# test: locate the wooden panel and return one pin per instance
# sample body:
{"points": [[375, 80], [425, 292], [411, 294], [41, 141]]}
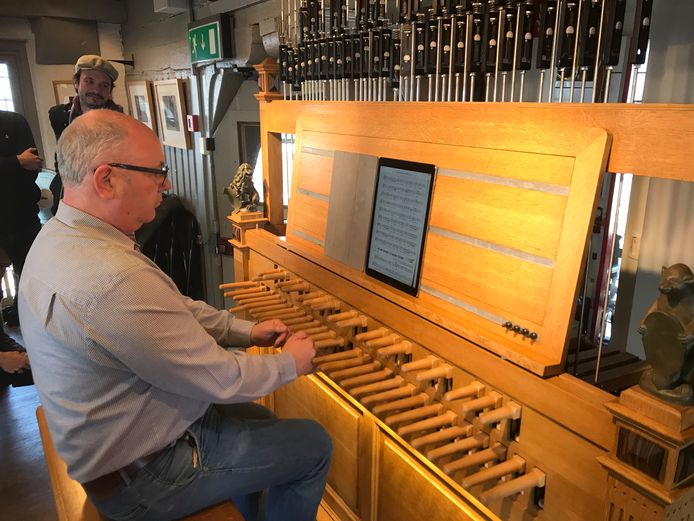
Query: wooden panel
{"points": [[634, 128], [528, 221], [495, 276], [411, 493], [575, 480], [308, 216], [315, 172], [271, 145], [304, 399], [488, 279], [555, 169]]}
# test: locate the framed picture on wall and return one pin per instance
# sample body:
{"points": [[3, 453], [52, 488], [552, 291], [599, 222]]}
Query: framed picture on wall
{"points": [[64, 91], [172, 114], [140, 102]]}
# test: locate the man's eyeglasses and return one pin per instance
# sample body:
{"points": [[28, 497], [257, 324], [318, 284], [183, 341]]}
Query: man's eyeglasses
{"points": [[163, 171]]}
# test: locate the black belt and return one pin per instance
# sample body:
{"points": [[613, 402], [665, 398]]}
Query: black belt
{"points": [[110, 484]]}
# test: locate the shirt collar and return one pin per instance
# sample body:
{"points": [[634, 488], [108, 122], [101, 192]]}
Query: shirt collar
{"points": [[75, 218]]}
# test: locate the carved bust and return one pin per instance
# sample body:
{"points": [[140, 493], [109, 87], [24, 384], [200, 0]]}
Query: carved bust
{"points": [[668, 337], [241, 192]]}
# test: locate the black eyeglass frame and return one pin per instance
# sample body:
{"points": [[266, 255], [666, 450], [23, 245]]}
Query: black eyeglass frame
{"points": [[164, 170]]}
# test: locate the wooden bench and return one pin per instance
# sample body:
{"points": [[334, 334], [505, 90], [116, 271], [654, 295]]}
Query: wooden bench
{"points": [[72, 503]]}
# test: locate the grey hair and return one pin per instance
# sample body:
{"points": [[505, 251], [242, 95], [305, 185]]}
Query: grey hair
{"points": [[82, 146]]}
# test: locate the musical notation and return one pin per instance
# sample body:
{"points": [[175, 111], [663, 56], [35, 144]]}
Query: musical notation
{"points": [[402, 198]]}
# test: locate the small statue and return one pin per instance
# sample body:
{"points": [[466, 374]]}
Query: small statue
{"points": [[241, 192], [668, 337]]}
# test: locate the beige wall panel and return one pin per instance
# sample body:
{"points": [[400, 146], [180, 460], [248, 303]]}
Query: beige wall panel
{"points": [[528, 221], [304, 399], [467, 272], [350, 208]]}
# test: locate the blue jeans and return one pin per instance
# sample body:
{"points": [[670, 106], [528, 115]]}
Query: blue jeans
{"points": [[232, 452]]}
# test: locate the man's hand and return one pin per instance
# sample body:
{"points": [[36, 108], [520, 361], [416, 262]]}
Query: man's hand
{"points": [[28, 160], [269, 333], [302, 349], [14, 361]]}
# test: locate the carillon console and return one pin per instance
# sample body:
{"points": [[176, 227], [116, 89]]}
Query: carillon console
{"points": [[447, 398], [468, 432]]}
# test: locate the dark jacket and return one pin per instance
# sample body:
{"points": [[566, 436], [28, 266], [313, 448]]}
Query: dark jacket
{"points": [[18, 190], [60, 116]]}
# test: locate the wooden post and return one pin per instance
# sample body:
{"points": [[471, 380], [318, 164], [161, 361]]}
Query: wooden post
{"points": [[271, 144], [240, 223], [268, 80]]}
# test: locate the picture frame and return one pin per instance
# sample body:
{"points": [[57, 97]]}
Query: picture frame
{"points": [[64, 91], [171, 110], [140, 102]]}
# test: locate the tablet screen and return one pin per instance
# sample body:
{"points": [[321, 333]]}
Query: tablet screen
{"points": [[399, 220]]}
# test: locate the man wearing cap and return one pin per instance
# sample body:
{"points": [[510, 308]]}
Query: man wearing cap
{"points": [[94, 81]]}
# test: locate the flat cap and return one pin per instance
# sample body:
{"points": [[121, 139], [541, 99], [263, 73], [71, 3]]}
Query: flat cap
{"points": [[92, 61]]}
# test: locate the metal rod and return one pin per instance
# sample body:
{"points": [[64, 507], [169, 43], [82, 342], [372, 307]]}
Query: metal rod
{"points": [[575, 56], [522, 85], [503, 86], [608, 77], [554, 50], [583, 307], [500, 24], [515, 53], [412, 49], [584, 71], [598, 52], [439, 50], [451, 61], [603, 318], [634, 78], [468, 29], [542, 85]]}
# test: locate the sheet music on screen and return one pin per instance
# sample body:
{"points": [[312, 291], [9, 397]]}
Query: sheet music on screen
{"points": [[401, 209]]}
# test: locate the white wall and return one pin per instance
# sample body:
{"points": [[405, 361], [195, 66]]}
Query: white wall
{"points": [[243, 108], [670, 76]]}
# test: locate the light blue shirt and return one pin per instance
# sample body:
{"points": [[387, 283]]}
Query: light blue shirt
{"points": [[122, 361]]}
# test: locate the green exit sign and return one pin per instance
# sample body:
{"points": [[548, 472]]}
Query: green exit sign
{"points": [[204, 43], [210, 39]]}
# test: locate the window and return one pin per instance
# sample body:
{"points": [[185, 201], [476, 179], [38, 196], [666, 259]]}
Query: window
{"points": [[287, 162], [6, 101]]}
